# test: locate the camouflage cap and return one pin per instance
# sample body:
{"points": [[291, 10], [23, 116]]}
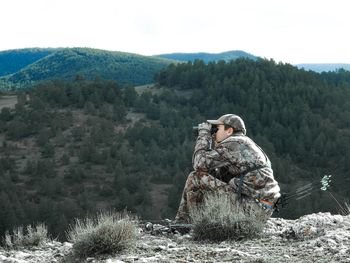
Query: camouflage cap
{"points": [[231, 120]]}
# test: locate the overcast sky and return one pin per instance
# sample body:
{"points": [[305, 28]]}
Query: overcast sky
{"points": [[292, 31]]}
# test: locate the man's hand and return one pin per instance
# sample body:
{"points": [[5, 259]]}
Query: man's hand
{"points": [[204, 126]]}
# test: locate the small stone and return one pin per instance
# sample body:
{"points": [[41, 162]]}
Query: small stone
{"points": [[319, 249], [172, 245], [2, 258], [22, 255], [331, 242], [15, 260], [178, 249], [114, 261], [343, 251], [226, 249], [131, 258], [159, 248], [67, 244]]}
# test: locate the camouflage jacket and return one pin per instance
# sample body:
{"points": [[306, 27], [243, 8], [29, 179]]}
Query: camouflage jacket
{"points": [[237, 155]]}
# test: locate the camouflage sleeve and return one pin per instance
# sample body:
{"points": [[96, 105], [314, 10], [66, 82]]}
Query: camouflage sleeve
{"points": [[204, 157]]}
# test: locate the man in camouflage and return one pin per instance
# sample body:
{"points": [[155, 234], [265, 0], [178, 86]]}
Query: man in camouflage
{"points": [[233, 164]]}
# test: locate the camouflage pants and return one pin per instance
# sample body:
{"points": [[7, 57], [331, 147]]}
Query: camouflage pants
{"points": [[199, 184]]}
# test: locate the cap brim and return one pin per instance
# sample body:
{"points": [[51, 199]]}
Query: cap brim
{"points": [[216, 122]]}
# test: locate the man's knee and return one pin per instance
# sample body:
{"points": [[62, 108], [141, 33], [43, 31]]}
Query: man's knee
{"points": [[192, 181]]}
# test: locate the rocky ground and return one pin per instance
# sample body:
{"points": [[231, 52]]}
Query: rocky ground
{"points": [[318, 237]]}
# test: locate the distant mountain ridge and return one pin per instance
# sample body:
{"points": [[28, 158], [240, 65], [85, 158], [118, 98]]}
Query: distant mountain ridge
{"points": [[208, 57], [324, 67]]}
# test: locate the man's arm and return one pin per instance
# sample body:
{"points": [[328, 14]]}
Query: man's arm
{"points": [[204, 157]]}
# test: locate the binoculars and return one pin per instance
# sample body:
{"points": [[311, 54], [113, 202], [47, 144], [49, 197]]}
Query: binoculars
{"points": [[213, 130]]}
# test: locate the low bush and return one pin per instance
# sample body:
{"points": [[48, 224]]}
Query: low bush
{"points": [[347, 208], [342, 209], [108, 233], [28, 237], [218, 220]]}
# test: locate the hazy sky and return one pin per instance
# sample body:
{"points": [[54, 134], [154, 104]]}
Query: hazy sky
{"points": [[293, 31]]}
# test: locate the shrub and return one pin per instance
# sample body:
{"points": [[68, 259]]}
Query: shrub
{"points": [[108, 233], [347, 208], [342, 209], [217, 220], [31, 236]]}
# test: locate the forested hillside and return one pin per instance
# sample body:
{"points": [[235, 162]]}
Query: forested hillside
{"points": [[68, 149], [12, 61], [83, 63]]}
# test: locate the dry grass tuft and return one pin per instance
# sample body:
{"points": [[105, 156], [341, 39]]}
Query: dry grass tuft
{"points": [[347, 208], [217, 220], [108, 233], [28, 237]]}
